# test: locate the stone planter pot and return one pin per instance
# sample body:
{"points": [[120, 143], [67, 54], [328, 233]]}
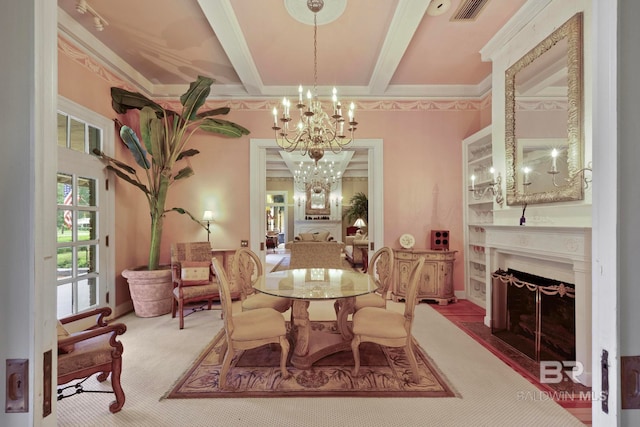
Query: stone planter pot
{"points": [[151, 291]]}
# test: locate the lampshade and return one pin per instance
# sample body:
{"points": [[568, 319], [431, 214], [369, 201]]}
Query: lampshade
{"points": [[207, 216], [359, 223]]}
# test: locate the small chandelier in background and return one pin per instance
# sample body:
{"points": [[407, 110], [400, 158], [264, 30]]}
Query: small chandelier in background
{"points": [[316, 130], [319, 175]]}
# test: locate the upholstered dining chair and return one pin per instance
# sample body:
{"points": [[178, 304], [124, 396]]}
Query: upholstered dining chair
{"points": [[245, 270], [95, 350], [248, 329], [389, 328], [381, 271], [192, 275]]}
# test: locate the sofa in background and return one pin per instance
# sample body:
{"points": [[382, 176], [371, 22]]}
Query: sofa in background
{"points": [[315, 254], [353, 247]]}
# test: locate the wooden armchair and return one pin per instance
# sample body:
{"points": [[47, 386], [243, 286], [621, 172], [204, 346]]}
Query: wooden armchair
{"points": [[381, 271], [249, 329], [192, 274], [389, 328], [246, 268], [94, 350]]}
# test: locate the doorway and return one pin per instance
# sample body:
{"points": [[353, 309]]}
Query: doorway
{"points": [[258, 178]]}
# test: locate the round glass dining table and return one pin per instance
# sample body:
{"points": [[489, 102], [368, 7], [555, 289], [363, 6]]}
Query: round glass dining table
{"points": [[304, 285]]}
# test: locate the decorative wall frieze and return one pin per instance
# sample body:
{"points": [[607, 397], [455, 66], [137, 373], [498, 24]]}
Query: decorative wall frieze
{"points": [[83, 58], [542, 105]]}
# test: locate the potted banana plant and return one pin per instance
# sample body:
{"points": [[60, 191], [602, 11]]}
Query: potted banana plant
{"points": [[158, 151]]}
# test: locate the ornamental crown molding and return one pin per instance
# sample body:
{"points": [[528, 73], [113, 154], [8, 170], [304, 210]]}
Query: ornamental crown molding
{"points": [[86, 60]]}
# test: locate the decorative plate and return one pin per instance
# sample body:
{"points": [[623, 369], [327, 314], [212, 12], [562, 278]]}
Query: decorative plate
{"points": [[407, 241]]}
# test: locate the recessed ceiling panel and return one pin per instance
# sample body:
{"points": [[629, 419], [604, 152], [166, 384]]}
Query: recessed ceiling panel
{"points": [[443, 52], [282, 47]]}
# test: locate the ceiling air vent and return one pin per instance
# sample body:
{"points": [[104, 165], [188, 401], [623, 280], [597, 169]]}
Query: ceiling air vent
{"points": [[469, 10]]}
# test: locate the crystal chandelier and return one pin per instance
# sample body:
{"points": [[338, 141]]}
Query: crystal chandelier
{"points": [[316, 130], [320, 175]]}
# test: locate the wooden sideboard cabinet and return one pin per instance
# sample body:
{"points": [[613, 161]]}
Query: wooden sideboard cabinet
{"points": [[436, 280]]}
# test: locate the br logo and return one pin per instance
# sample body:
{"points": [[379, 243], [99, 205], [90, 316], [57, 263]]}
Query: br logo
{"points": [[553, 371]]}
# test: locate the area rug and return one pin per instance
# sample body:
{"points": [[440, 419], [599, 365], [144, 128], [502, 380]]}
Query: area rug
{"points": [[384, 372]]}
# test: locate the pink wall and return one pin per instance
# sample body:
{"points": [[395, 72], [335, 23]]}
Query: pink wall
{"points": [[422, 176]]}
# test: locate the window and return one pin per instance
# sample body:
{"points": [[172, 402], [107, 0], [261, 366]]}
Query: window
{"points": [[83, 204]]}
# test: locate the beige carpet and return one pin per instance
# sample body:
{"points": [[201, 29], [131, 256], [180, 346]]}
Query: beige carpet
{"points": [[156, 352], [385, 372]]}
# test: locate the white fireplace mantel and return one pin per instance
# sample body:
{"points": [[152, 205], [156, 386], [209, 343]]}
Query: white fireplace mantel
{"points": [[559, 253]]}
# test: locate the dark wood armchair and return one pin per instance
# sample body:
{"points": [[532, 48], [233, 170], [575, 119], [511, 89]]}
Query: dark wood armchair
{"points": [[193, 279], [95, 350]]}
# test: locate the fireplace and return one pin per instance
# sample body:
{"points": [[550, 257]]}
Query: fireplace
{"points": [[535, 315], [561, 254]]}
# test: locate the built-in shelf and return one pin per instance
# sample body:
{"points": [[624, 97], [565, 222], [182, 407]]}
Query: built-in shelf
{"points": [[477, 160]]}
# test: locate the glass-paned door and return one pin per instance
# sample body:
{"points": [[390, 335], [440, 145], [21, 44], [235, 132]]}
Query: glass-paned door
{"points": [[277, 216], [80, 218]]}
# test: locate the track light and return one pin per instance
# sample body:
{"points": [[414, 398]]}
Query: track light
{"points": [[83, 7]]}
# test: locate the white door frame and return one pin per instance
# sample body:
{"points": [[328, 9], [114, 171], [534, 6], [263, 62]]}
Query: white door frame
{"points": [[258, 190]]}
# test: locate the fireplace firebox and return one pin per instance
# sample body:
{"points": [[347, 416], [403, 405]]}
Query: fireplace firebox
{"points": [[534, 314]]}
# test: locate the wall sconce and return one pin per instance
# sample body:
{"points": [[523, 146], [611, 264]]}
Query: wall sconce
{"points": [[554, 171], [299, 200], [207, 217], [337, 200], [83, 7], [494, 187]]}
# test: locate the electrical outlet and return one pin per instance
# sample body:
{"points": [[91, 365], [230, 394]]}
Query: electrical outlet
{"points": [[244, 243]]}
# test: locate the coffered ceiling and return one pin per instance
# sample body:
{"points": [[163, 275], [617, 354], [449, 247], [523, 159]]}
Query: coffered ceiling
{"points": [[398, 49]]}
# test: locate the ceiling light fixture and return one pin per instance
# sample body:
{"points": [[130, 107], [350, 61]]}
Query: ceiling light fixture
{"points": [[316, 131], [315, 176], [83, 7]]}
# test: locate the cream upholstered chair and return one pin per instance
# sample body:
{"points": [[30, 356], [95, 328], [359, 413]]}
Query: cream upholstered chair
{"points": [[249, 329], [389, 328], [193, 279], [381, 271], [92, 351], [245, 269]]}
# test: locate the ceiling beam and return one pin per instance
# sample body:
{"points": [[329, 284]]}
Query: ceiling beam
{"points": [[223, 20], [404, 24]]}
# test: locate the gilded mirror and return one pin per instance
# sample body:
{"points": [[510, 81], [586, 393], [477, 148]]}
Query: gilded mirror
{"points": [[317, 202], [543, 128]]}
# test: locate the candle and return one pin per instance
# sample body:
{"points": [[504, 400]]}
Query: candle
{"points": [[352, 112], [275, 116], [492, 171], [554, 155], [300, 94], [526, 171], [334, 98], [473, 182]]}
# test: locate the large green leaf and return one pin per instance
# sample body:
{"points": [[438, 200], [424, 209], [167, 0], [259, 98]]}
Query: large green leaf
{"points": [[216, 112], [128, 179], [123, 100], [116, 162], [184, 173], [223, 127], [195, 97], [188, 153], [146, 115], [131, 139]]}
